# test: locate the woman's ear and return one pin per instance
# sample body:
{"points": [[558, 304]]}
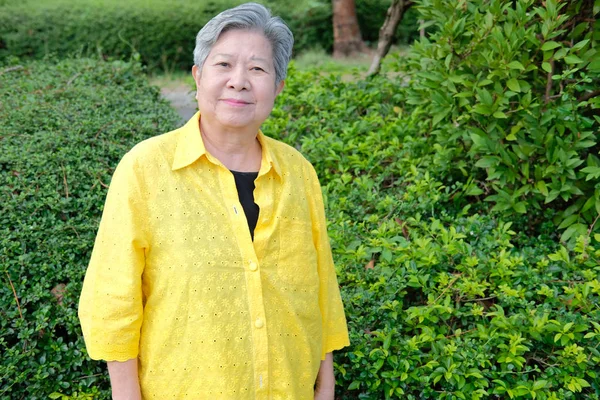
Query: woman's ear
{"points": [[279, 88], [195, 73], [196, 76]]}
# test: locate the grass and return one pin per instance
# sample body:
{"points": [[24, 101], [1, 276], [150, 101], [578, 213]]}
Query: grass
{"points": [[318, 58], [172, 79]]}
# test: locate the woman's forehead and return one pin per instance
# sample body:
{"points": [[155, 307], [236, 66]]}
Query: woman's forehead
{"points": [[233, 40]]}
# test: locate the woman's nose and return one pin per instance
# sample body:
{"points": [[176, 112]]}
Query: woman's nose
{"points": [[238, 79]]}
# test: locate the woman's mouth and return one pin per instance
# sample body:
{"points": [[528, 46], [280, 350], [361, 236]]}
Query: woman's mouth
{"points": [[235, 102]]}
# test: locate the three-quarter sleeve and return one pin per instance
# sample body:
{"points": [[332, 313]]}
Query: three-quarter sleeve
{"points": [[335, 330], [111, 303]]}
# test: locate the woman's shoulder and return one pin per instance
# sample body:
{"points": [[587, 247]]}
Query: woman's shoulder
{"points": [[288, 156], [155, 147]]}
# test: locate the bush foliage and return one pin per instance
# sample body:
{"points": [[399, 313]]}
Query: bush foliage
{"points": [[162, 33], [448, 296], [64, 128], [442, 302], [510, 88]]}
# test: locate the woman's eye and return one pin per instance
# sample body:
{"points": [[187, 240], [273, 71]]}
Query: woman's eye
{"points": [[223, 64], [258, 69]]}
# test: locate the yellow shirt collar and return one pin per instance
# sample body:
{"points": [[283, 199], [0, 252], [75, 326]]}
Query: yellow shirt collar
{"points": [[190, 147]]}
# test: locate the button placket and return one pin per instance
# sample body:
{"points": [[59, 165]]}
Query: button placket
{"points": [[257, 321]]}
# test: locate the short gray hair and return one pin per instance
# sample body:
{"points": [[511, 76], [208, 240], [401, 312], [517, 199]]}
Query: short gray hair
{"points": [[250, 16]]}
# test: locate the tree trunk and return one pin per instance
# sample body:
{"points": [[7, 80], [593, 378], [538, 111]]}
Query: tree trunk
{"points": [[347, 40], [386, 33]]}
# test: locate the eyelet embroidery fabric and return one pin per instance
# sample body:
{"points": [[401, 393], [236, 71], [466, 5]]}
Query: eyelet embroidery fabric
{"points": [[176, 281]]}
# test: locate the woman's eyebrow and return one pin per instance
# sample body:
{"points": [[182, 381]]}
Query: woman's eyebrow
{"points": [[254, 58]]}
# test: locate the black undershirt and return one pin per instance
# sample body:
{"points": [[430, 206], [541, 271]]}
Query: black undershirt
{"points": [[244, 183]]}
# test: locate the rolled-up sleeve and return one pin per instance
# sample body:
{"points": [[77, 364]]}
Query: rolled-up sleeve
{"points": [[111, 303], [335, 330]]}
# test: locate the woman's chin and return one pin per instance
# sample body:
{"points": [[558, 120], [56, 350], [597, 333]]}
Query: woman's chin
{"points": [[239, 120]]}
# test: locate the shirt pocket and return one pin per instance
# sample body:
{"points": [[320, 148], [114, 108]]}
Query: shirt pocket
{"points": [[297, 264]]}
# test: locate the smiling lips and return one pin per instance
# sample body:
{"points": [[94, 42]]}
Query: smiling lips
{"points": [[235, 102]]}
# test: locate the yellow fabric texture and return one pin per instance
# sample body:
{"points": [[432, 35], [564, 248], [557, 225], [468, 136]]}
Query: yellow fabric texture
{"points": [[176, 280]]}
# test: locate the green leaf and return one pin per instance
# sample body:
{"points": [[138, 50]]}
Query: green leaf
{"points": [[552, 196], [516, 65], [547, 67], [54, 395], [570, 220], [541, 186], [557, 337], [499, 114], [537, 385], [386, 254], [520, 207], [440, 116], [482, 109], [550, 45], [580, 44], [487, 161], [474, 191], [593, 172], [354, 385], [513, 85], [486, 97], [572, 59], [448, 60], [463, 94], [571, 231], [594, 65]]}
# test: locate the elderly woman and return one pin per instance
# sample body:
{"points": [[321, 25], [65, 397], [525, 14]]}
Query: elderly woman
{"points": [[212, 275]]}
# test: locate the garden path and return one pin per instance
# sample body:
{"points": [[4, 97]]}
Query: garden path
{"points": [[181, 98]]}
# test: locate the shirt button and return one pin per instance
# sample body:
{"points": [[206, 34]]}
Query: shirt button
{"points": [[253, 266], [259, 323]]}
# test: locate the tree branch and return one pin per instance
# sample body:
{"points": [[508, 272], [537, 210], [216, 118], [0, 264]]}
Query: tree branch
{"points": [[589, 95]]}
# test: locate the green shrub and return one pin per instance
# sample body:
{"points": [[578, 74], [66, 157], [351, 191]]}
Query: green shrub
{"points": [[442, 302], [64, 128], [513, 86], [163, 33]]}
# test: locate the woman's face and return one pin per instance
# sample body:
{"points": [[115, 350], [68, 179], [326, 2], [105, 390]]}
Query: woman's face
{"points": [[236, 87]]}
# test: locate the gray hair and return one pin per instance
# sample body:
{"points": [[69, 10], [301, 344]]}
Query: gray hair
{"points": [[251, 16]]}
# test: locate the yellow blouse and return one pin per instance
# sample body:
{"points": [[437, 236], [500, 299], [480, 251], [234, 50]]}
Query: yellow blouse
{"points": [[176, 281]]}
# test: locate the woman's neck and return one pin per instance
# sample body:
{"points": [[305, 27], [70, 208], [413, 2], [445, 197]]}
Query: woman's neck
{"points": [[238, 150]]}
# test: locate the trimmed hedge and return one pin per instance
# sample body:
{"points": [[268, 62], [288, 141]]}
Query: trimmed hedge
{"points": [[64, 128], [163, 33]]}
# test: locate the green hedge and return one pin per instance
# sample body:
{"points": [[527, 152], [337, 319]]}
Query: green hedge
{"points": [[443, 301], [64, 128], [163, 33]]}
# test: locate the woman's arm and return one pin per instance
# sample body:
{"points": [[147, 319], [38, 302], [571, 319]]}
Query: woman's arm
{"points": [[124, 380], [325, 385]]}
